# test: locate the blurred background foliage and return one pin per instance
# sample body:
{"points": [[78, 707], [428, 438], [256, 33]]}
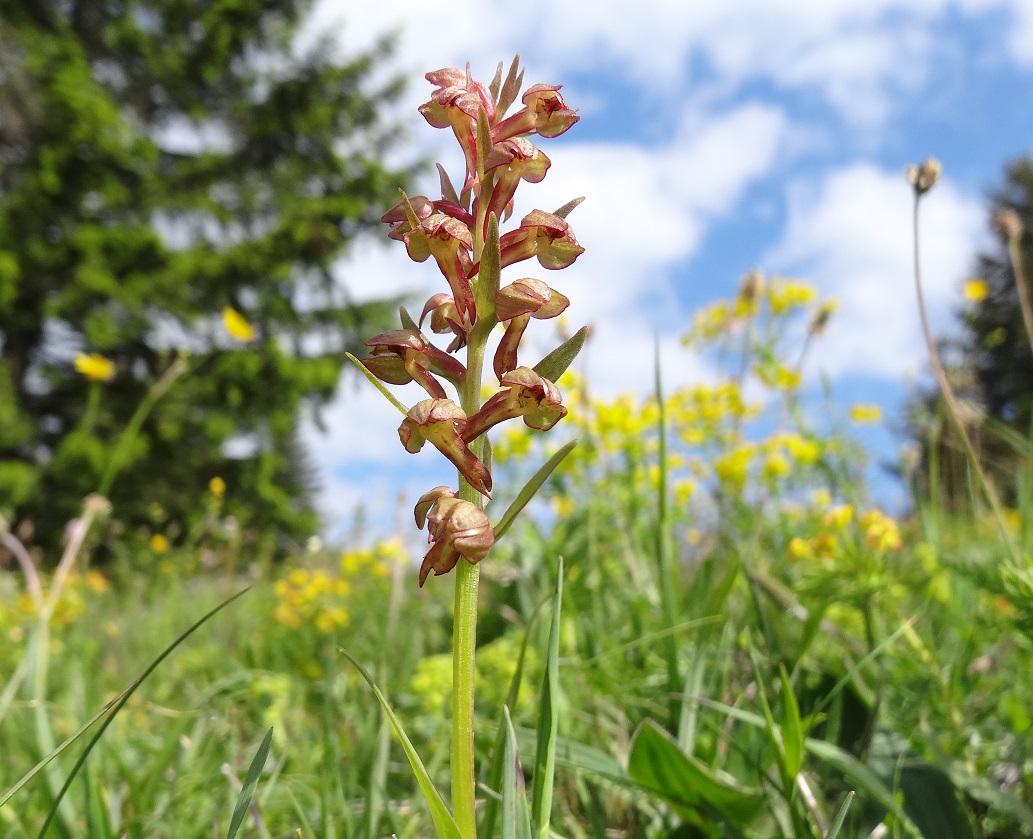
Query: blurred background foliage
{"points": [[161, 160]]}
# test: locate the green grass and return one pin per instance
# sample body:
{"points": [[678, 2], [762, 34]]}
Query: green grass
{"points": [[750, 658]]}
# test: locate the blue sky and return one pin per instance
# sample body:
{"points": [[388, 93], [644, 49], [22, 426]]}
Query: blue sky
{"points": [[715, 138]]}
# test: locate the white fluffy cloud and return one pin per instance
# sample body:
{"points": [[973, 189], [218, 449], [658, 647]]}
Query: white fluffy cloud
{"points": [[850, 233], [855, 56], [651, 203]]}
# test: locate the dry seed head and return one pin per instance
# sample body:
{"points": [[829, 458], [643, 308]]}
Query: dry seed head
{"points": [[1009, 224], [924, 176]]}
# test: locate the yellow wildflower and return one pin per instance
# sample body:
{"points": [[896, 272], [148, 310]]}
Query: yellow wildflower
{"points": [[880, 531], [976, 290], [217, 487], [803, 451], [865, 414], [784, 295], [799, 548], [731, 467], [839, 516], [825, 545], [159, 544], [95, 367], [236, 324], [775, 467], [97, 582]]}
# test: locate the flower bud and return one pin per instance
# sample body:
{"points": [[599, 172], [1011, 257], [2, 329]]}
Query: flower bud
{"points": [[456, 528], [1009, 224]]}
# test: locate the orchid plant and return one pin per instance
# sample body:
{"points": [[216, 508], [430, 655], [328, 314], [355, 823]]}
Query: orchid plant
{"points": [[461, 231]]}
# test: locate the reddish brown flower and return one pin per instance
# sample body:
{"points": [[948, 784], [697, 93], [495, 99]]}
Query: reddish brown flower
{"points": [[456, 103], [456, 528], [517, 303], [443, 423], [543, 235], [449, 241], [444, 317], [524, 394], [517, 159], [544, 113], [401, 356]]}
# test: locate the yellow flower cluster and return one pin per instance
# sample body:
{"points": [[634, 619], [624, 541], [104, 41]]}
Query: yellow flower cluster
{"points": [[94, 367], [865, 414], [314, 597], [319, 597], [976, 290], [784, 295], [69, 606], [878, 532]]}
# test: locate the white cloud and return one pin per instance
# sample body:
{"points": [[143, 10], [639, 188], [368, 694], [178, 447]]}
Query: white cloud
{"points": [[851, 235], [856, 56]]}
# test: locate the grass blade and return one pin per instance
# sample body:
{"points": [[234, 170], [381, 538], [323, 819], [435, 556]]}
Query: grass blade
{"points": [[837, 822], [516, 819], [497, 766], [247, 792], [548, 722], [116, 706], [444, 823]]}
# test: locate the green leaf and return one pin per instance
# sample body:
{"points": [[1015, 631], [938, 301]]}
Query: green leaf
{"points": [[837, 822], [247, 791], [531, 487], [516, 819], [510, 88], [792, 730], [566, 209], [444, 823], [548, 722], [658, 764], [390, 397], [406, 319], [865, 778], [448, 192], [932, 801], [555, 363]]}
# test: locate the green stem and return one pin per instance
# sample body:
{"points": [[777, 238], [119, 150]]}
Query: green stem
{"points": [[157, 390], [464, 651], [951, 402], [464, 628]]}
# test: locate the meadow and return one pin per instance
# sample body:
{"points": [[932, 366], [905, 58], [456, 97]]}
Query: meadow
{"points": [[725, 580], [699, 623]]}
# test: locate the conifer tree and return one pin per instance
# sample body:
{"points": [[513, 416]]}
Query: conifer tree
{"points": [[176, 176]]}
